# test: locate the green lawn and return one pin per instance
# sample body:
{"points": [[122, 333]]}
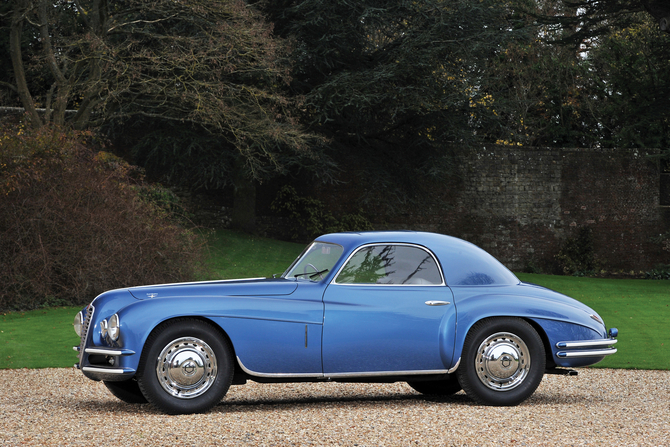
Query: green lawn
{"points": [[38, 339], [640, 309], [237, 255]]}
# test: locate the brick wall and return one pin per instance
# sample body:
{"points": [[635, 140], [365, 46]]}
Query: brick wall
{"points": [[521, 204]]}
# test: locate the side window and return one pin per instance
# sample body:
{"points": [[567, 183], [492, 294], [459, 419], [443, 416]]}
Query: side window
{"points": [[390, 264]]}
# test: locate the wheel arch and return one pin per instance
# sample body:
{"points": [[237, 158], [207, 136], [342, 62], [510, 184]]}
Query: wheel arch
{"points": [[168, 321], [474, 306]]}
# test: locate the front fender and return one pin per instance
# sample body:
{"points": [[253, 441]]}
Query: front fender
{"points": [[138, 318]]}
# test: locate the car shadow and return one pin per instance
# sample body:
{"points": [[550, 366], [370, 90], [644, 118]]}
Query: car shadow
{"points": [[316, 402], [241, 404]]}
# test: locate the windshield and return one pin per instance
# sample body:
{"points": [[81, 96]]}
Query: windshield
{"points": [[315, 262]]}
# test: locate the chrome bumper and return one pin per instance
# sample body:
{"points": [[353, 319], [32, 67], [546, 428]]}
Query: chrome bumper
{"points": [[106, 369], [588, 348]]}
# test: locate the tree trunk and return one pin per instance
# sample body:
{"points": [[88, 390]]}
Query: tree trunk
{"points": [[17, 63], [244, 199], [659, 10]]}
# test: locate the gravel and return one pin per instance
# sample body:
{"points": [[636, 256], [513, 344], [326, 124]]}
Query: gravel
{"points": [[598, 407]]}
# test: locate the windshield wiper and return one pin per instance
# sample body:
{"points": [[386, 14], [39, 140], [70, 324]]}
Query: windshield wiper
{"points": [[311, 274]]}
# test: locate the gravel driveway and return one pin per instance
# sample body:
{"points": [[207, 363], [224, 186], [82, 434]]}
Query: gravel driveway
{"points": [[599, 407]]}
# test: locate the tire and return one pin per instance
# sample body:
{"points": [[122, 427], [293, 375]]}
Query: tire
{"points": [[503, 361], [186, 367], [445, 387], [127, 391]]}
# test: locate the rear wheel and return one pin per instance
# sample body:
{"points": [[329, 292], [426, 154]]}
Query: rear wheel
{"points": [[503, 361], [445, 387], [186, 367]]}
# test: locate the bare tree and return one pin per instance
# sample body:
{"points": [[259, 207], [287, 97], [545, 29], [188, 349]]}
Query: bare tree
{"points": [[210, 66]]}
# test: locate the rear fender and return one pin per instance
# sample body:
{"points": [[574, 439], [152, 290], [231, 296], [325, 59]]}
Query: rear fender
{"points": [[554, 318]]}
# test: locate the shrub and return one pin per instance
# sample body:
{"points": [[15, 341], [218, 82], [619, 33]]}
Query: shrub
{"points": [[661, 271], [577, 256], [74, 223], [311, 218]]}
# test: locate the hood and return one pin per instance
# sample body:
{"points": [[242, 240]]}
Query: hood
{"points": [[235, 287]]}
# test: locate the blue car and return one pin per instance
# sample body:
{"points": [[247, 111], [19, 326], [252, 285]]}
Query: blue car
{"points": [[434, 311]]}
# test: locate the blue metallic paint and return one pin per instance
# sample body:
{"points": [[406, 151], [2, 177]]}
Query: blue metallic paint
{"points": [[282, 326]]}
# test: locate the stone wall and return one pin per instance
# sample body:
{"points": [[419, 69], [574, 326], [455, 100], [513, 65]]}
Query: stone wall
{"points": [[521, 204]]}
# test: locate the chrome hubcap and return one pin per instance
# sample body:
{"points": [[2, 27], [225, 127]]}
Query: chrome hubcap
{"points": [[186, 367], [502, 361]]}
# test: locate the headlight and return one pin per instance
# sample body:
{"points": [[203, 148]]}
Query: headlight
{"points": [[77, 323], [114, 327], [111, 328]]}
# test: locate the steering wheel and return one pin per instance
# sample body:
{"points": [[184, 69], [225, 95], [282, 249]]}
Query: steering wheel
{"points": [[316, 270]]}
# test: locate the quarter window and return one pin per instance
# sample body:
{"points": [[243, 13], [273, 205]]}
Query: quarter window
{"points": [[389, 265]]}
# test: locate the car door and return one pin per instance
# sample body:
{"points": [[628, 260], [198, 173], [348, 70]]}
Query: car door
{"points": [[388, 310]]}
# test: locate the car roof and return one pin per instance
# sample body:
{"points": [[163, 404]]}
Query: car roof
{"points": [[462, 262]]}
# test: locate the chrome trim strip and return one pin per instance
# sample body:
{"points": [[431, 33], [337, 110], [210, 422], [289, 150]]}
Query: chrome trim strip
{"points": [[276, 375], [404, 244], [387, 285], [106, 351], [190, 283], [387, 373], [349, 374], [94, 369], [452, 370], [590, 353], [585, 343]]}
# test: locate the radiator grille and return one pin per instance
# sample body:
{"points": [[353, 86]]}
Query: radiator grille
{"points": [[84, 329]]}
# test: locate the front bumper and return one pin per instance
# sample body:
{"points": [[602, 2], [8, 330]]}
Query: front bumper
{"points": [[100, 364]]}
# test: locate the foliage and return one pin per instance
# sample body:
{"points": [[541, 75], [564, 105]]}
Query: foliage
{"points": [[629, 84], [587, 20], [541, 96], [394, 84], [73, 223], [191, 87], [661, 271], [310, 217], [576, 256], [593, 76]]}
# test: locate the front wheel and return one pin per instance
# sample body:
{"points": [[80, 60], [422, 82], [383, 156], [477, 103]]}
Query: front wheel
{"points": [[186, 367], [128, 391], [503, 361]]}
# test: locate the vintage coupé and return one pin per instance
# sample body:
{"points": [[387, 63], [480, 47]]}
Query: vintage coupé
{"points": [[429, 309]]}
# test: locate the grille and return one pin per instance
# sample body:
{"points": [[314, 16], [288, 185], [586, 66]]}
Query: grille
{"points": [[84, 329]]}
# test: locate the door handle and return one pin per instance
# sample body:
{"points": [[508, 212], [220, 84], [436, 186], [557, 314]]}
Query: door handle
{"points": [[437, 303]]}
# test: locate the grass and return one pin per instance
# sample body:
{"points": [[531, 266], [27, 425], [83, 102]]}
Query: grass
{"points": [[38, 339], [640, 309], [238, 255]]}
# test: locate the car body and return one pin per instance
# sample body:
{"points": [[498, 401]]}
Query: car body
{"points": [[385, 306]]}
